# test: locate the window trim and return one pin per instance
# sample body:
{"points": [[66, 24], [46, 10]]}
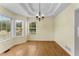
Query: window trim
{"points": [[22, 29]]}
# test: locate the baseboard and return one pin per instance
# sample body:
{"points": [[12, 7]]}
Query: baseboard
{"points": [[39, 40], [64, 48]]}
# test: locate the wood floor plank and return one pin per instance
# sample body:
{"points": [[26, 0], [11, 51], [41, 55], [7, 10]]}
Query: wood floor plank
{"points": [[37, 48]]}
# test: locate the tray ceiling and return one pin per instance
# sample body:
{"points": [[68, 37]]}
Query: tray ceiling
{"points": [[31, 9]]}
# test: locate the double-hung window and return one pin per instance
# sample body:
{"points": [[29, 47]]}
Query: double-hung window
{"points": [[4, 26]]}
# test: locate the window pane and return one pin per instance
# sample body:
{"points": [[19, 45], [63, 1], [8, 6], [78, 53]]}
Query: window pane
{"points": [[32, 28], [4, 26], [8, 26], [18, 28]]}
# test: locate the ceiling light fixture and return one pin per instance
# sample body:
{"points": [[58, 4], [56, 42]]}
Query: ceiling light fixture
{"points": [[39, 16]]}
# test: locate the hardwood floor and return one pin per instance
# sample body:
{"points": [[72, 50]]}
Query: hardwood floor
{"points": [[36, 48]]}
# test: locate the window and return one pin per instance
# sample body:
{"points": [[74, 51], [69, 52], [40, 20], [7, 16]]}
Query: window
{"points": [[18, 28], [32, 28], [4, 26]]}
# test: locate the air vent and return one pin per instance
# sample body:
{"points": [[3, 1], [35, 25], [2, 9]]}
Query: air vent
{"points": [[7, 51]]}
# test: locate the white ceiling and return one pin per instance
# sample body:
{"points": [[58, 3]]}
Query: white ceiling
{"points": [[31, 9]]}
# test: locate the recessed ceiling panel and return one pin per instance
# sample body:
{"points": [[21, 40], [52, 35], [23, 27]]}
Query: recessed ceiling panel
{"points": [[31, 9]]}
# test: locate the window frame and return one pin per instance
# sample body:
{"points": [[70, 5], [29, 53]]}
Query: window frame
{"points": [[9, 19], [31, 28], [22, 29]]}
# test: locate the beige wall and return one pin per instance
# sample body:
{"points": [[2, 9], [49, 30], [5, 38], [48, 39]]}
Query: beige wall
{"points": [[44, 30], [64, 28]]}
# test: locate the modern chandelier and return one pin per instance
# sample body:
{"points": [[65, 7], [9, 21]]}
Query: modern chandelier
{"points": [[39, 16]]}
